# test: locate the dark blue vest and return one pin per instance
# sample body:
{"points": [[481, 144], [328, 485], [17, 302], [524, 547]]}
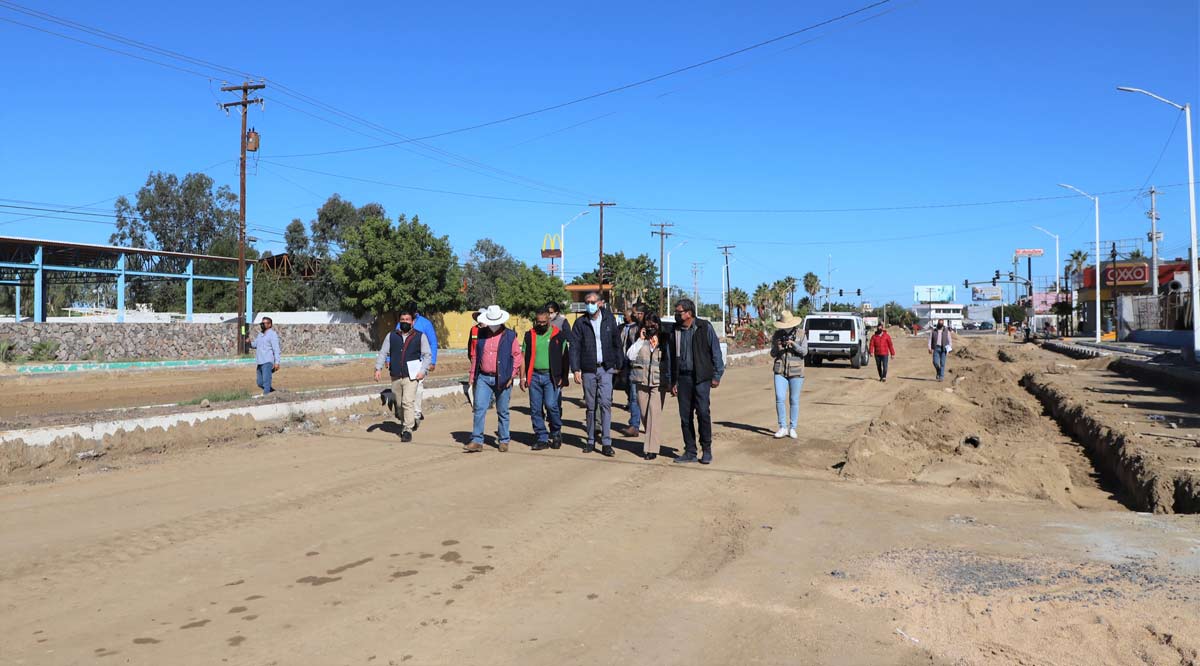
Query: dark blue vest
{"points": [[401, 355], [504, 359]]}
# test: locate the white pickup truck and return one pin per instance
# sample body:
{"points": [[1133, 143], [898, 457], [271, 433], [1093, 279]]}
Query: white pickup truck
{"points": [[836, 335]]}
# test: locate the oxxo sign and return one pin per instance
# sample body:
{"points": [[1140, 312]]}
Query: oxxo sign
{"points": [[1135, 274]]}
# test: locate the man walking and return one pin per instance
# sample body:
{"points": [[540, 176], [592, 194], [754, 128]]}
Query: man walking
{"points": [[697, 368], [546, 366], [422, 324], [882, 349], [630, 333], [267, 354], [498, 362], [557, 320], [407, 353], [940, 347], [595, 357]]}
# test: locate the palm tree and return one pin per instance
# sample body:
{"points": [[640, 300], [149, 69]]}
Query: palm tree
{"points": [[762, 299], [1077, 261], [738, 300], [790, 283], [812, 285]]}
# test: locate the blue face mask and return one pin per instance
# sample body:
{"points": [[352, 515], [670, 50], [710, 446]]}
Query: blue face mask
{"points": [[593, 308]]}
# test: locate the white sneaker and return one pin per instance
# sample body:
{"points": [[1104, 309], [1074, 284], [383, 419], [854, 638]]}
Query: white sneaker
{"points": [[792, 433], [781, 433]]}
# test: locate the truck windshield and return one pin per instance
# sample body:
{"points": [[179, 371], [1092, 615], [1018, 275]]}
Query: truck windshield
{"points": [[829, 325]]}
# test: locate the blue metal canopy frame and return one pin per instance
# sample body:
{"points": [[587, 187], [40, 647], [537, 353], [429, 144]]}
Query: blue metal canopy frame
{"points": [[42, 255]]}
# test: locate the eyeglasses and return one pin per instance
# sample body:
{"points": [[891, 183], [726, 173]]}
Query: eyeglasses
{"points": [[680, 311]]}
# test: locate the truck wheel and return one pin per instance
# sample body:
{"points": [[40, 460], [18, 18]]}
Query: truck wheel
{"points": [[856, 361]]}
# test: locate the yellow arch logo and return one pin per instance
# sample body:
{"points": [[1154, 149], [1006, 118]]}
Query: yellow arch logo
{"points": [[551, 246]]}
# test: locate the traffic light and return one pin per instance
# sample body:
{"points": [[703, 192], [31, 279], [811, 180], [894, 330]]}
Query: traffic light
{"points": [[997, 276], [858, 292], [994, 281], [966, 283], [1010, 276], [841, 293]]}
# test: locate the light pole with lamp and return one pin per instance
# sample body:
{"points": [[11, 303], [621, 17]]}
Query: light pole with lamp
{"points": [[1056, 266], [562, 243], [1096, 204], [1195, 283]]}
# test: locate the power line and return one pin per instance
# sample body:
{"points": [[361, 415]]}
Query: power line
{"points": [[610, 91]]}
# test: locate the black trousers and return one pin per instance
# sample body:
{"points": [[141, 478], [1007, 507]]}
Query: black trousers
{"points": [[693, 408], [881, 363]]}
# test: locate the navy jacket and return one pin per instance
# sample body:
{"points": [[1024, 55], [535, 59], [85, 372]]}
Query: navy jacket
{"points": [[583, 344]]}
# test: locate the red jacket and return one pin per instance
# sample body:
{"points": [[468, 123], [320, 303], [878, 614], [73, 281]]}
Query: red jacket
{"points": [[881, 345]]}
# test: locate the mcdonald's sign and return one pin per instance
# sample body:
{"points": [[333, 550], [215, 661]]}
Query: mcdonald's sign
{"points": [[551, 246]]}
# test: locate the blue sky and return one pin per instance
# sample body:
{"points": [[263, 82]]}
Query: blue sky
{"points": [[932, 102]]}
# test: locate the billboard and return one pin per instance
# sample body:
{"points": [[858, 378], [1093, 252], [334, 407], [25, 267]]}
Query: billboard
{"points": [[933, 293], [987, 293], [1028, 252]]}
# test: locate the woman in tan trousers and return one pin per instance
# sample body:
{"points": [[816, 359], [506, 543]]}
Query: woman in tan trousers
{"points": [[650, 367]]}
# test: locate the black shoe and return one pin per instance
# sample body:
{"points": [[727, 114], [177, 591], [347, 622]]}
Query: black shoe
{"points": [[417, 423], [540, 446], [687, 457], [556, 441], [649, 456], [608, 452], [706, 457], [589, 448], [406, 436]]}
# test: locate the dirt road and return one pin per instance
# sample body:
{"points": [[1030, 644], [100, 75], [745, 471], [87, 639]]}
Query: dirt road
{"points": [[347, 547], [29, 397]]}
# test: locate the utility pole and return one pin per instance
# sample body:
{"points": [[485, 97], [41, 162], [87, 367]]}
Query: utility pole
{"points": [[828, 281], [696, 271], [602, 205], [728, 287], [662, 234], [243, 105], [1153, 215]]}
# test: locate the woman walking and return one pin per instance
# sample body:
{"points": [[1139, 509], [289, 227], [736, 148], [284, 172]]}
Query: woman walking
{"points": [[789, 346], [882, 349], [650, 370]]}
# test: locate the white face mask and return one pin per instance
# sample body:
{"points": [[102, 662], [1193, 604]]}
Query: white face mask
{"points": [[493, 327]]}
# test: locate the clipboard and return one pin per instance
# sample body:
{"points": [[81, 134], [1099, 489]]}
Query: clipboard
{"points": [[414, 368]]}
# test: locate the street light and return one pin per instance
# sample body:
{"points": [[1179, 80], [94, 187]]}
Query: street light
{"points": [[1056, 266], [1195, 283], [1096, 203], [681, 244], [562, 244]]}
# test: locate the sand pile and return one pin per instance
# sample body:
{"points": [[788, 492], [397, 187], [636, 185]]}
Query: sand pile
{"points": [[979, 429]]}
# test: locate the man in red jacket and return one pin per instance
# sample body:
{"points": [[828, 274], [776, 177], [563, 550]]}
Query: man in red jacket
{"points": [[882, 349]]}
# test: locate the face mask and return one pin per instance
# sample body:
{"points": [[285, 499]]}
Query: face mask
{"points": [[651, 331], [405, 327], [263, 327], [541, 328], [939, 327], [592, 308], [493, 327]]}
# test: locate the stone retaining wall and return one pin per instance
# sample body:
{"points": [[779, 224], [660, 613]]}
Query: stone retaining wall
{"points": [[146, 342]]}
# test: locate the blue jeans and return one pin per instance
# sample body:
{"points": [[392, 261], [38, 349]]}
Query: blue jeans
{"points": [[635, 413], [784, 387], [544, 396], [264, 377], [939, 361], [485, 390]]}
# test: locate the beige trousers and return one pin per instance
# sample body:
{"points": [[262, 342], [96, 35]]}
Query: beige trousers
{"points": [[650, 401], [406, 394]]}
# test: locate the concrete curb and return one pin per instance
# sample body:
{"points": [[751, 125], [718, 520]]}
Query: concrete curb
{"points": [[95, 432]]}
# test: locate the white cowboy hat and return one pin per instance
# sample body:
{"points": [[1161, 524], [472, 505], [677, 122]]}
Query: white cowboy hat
{"points": [[492, 315], [788, 320]]}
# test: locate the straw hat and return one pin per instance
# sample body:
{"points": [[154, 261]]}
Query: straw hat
{"points": [[788, 320], [493, 315]]}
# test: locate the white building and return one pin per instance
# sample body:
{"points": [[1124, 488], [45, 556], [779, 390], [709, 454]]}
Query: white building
{"points": [[931, 312]]}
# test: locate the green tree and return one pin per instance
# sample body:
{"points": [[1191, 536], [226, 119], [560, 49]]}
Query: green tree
{"points": [[633, 279], [296, 239], [488, 266], [812, 285], [896, 314], [789, 286], [383, 266], [528, 290], [1015, 313], [739, 300]]}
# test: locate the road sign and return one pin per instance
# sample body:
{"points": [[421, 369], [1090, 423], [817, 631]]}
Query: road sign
{"points": [[1028, 252]]}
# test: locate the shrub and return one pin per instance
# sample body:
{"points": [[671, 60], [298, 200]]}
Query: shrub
{"points": [[43, 351], [6, 351]]}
